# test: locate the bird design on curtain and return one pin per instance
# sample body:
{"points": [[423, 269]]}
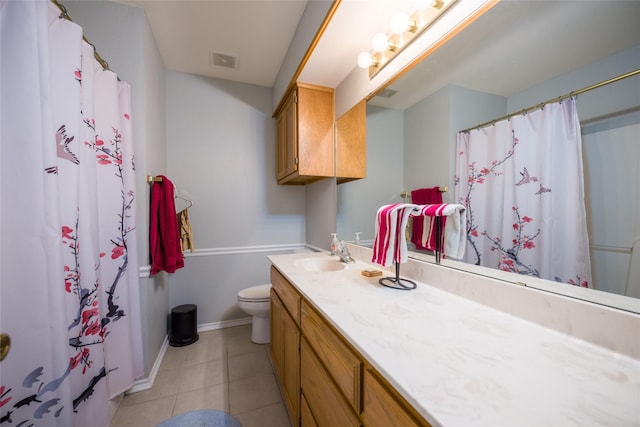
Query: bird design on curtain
{"points": [[522, 185], [70, 297]]}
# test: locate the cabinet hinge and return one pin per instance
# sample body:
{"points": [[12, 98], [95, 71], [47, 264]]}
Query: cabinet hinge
{"points": [[295, 99], [296, 160]]}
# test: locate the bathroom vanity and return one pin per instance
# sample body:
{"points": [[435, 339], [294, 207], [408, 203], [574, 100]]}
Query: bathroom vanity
{"points": [[348, 351]]}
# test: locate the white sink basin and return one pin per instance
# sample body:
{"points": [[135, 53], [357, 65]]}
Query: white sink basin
{"points": [[320, 265]]}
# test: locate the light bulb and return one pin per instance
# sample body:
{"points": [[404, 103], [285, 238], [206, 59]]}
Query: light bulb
{"points": [[399, 23], [365, 60], [380, 43], [421, 4]]}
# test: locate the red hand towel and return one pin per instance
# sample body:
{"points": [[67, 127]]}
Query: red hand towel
{"points": [[164, 234], [424, 196]]}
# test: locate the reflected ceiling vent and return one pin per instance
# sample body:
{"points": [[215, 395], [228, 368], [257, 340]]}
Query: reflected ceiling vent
{"points": [[387, 93], [225, 60]]}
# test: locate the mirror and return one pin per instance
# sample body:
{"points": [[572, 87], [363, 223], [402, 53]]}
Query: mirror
{"points": [[519, 54]]}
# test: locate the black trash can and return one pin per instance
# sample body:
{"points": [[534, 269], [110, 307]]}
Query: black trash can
{"points": [[184, 320]]}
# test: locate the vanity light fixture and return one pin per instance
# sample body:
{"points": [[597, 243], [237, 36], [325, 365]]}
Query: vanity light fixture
{"points": [[365, 60], [403, 29], [401, 23], [379, 42]]}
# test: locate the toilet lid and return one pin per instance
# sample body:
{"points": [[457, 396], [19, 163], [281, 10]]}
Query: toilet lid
{"points": [[255, 293]]}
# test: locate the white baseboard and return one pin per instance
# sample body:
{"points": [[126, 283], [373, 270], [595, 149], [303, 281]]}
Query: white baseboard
{"points": [[146, 383], [224, 324]]}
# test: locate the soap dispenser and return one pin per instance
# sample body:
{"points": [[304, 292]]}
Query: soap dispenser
{"points": [[334, 243], [358, 233]]}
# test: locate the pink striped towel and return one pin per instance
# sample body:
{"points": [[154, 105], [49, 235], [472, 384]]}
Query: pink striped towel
{"points": [[390, 243], [454, 225]]}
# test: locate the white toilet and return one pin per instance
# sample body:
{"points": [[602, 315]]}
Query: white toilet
{"points": [[255, 301]]}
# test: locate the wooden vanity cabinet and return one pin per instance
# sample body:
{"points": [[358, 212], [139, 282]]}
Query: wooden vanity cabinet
{"points": [[323, 379], [306, 417], [326, 404], [351, 144], [285, 341], [340, 362], [383, 406], [304, 135]]}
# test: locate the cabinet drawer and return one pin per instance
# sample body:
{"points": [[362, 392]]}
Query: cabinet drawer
{"points": [[383, 408], [289, 296], [345, 367], [306, 417], [325, 403]]}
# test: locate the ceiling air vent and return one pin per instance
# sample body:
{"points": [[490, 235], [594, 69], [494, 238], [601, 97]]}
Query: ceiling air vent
{"points": [[387, 93], [225, 60]]}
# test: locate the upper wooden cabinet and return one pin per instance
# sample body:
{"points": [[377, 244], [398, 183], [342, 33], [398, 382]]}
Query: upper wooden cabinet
{"points": [[351, 144], [304, 135]]}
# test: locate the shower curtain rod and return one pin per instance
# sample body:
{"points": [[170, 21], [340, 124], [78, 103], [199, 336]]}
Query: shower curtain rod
{"points": [[64, 14], [558, 99]]}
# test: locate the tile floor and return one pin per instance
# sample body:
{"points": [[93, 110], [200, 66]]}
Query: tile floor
{"points": [[223, 370]]}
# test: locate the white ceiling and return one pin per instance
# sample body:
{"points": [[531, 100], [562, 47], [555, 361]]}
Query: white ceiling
{"points": [[488, 56], [259, 32]]}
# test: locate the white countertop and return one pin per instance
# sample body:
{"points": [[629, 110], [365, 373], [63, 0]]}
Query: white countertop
{"points": [[460, 363]]}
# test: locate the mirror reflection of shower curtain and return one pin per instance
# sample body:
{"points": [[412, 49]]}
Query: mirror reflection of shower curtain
{"points": [[612, 183], [70, 298], [521, 181]]}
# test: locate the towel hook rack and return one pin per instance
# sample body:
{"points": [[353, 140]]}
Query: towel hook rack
{"points": [[406, 194]]}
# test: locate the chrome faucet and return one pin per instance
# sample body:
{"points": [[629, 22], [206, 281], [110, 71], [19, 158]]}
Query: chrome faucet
{"points": [[343, 252]]}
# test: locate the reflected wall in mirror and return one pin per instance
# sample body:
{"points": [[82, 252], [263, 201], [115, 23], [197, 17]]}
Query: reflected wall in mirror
{"points": [[519, 54]]}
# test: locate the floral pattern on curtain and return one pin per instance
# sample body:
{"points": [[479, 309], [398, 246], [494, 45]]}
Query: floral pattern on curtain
{"points": [[70, 298], [521, 181]]}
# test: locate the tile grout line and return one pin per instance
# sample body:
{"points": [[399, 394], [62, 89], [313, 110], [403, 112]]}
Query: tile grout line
{"points": [[228, 379]]}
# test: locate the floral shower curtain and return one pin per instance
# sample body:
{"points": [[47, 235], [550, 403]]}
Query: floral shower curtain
{"points": [[521, 181], [69, 291]]}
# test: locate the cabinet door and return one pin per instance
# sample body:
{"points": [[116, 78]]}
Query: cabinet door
{"points": [[306, 417], [344, 366], [276, 344], [351, 144], [325, 402], [382, 407], [315, 114], [285, 355], [291, 366], [287, 138]]}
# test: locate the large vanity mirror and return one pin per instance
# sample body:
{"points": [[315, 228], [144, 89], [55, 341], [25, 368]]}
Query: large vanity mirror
{"points": [[518, 54]]}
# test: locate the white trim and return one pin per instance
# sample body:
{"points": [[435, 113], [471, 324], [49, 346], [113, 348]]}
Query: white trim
{"points": [[315, 248], [144, 271], [606, 248], [244, 250], [146, 383]]}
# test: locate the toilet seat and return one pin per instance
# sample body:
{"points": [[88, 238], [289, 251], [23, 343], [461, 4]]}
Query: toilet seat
{"points": [[258, 293]]}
